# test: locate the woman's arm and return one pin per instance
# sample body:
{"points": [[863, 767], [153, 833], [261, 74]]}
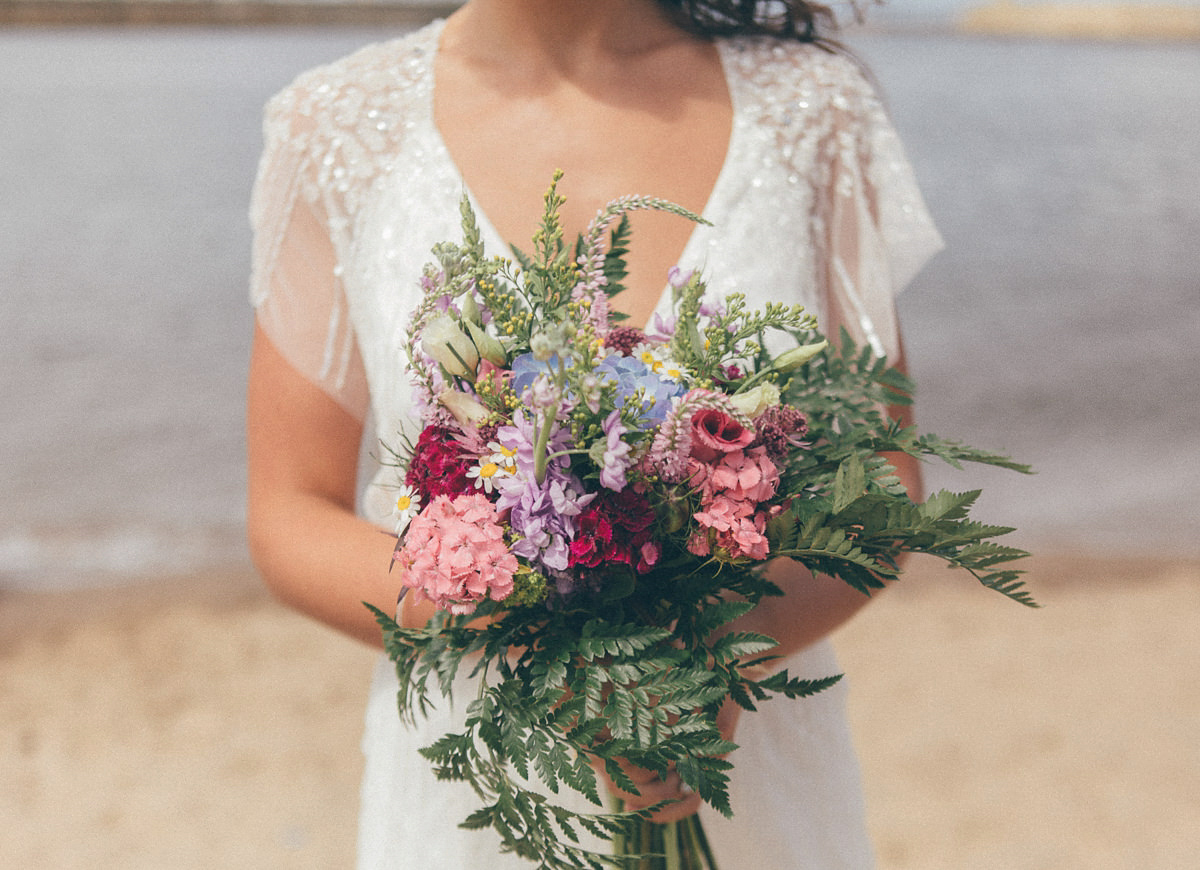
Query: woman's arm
{"points": [[311, 549]]}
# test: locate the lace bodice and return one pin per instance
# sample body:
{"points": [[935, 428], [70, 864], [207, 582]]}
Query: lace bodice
{"points": [[815, 204]]}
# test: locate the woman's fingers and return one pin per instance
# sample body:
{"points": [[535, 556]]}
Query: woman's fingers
{"points": [[653, 789], [680, 800]]}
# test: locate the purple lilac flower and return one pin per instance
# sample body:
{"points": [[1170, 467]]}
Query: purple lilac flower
{"points": [[544, 516]]}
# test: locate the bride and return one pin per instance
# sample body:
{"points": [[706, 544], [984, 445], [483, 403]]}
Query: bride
{"points": [[760, 125]]}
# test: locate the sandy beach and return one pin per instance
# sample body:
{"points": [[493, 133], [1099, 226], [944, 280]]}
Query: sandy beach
{"points": [[199, 724], [1102, 21]]}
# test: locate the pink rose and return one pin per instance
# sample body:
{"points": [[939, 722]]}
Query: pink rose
{"points": [[715, 432]]}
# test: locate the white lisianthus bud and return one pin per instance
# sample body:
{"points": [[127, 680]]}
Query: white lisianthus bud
{"points": [[470, 309], [756, 399], [465, 408], [487, 345], [453, 349], [798, 356]]}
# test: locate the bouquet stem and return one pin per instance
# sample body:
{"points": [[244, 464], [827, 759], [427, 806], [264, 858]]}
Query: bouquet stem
{"points": [[678, 845]]}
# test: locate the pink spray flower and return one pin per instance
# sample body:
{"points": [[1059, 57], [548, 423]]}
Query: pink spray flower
{"points": [[734, 529], [746, 475]]}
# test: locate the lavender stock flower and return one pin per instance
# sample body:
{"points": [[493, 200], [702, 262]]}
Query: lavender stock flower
{"points": [[541, 514]]}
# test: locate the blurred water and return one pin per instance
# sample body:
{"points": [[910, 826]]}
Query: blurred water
{"points": [[1062, 324]]}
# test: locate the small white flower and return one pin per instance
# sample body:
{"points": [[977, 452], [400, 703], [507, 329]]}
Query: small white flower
{"points": [[504, 457], [656, 358], [484, 474], [406, 506]]}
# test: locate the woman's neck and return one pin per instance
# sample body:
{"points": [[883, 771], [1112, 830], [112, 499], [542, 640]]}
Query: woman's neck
{"points": [[568, 36]]}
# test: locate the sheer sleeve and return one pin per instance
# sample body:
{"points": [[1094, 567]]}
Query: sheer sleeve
{"points": [[874, 231], [296, 286]]}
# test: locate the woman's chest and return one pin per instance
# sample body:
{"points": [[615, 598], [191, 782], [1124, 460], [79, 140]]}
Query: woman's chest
{"points": [[656, 132]]}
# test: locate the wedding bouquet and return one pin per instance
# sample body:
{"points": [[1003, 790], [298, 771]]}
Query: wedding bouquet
{"points": [[590, 505]]}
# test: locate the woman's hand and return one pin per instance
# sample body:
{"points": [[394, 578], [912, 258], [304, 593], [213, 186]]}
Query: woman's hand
{"points": [[654, 789]]}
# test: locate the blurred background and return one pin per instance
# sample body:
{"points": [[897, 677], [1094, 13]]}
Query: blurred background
{"points": [[1061, 324], [1056, 144]]}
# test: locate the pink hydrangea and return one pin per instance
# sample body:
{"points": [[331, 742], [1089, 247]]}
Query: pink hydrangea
{"points": [[454, 554]]}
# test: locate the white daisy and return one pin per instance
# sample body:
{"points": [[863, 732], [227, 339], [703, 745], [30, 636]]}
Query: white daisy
{"points": [[406, 506], [503, 456], [483, 473], [656, 358]]}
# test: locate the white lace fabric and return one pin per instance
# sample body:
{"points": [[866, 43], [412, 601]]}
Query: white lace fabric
{"points": [[815, 204]]}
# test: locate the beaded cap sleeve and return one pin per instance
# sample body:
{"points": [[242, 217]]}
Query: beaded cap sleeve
{"points": [[330, 137], [829, 156]]}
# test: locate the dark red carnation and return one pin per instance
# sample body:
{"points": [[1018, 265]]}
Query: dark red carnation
{"points": [[616, 528], [593, 539], [437, 466], [632, 512]]}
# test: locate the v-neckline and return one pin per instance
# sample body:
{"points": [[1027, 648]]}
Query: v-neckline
{"points": [[498, 243]]}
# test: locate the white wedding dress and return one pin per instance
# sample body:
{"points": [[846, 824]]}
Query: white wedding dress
{"points": [[815, 204]]}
